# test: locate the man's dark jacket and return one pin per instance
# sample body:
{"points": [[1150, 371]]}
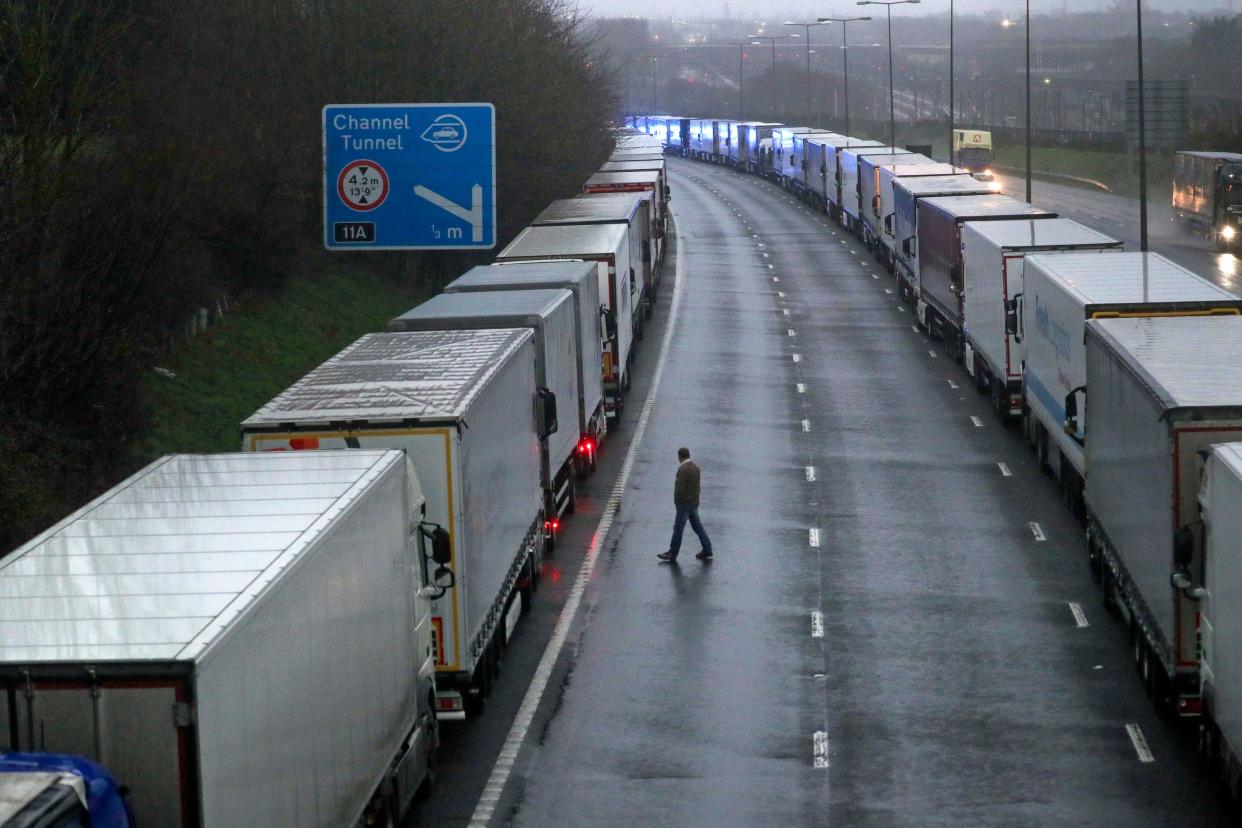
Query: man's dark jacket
{"points": [[686, 489]]}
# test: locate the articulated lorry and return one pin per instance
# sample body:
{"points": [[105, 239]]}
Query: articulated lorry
{"points": [[993, 255], [941, 275], [465, 407], [1220, 615], [907, 192], [1207, 195], [1061, 291], [579, 279], [637, 181], [1153, 421], [240, 639], [611, 247], [635, 210], [878, 230], [550, 314], [850, 172]]}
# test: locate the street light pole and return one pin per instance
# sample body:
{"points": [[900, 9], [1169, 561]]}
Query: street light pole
{"points": [[1029, 181], [845, 58], [1142, 125], [807, 28], [952, 160], [772, 39], [888, 6]]}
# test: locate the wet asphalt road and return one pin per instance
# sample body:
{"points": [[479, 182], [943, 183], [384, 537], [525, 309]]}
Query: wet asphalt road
{"points": [[946, 673], [1118, 217]]}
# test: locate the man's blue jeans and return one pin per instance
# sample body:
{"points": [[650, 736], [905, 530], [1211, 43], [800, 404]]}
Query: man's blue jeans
{"points": [[690, 513]]}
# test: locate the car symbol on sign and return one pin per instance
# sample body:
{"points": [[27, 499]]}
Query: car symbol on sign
{"points": [[446, 133]]}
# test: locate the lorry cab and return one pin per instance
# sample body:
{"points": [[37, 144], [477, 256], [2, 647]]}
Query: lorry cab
{"points": [[972, 149], [53, 790]]}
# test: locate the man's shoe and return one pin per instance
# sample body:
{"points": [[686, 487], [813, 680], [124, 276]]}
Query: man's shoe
{"points": [[704, 555], [668, 556]]}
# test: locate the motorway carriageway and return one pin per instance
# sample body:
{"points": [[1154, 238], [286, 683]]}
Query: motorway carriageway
{"points": [[899, 627]]}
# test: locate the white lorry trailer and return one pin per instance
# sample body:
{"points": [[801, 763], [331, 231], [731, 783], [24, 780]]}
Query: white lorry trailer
{"points": [[993, 253], [850, 172], [1162, 390], [870, 201], [611, 247], [1220, 618], [578, 278], [782, 151], [1060, 292], [636, 181], [241, 639], [938, 251], [465, 408], [801, 174], [885, 216], [907, 191], [550, 314], [635, 210]]}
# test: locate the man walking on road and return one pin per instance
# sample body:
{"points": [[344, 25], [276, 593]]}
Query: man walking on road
{"points": [[686, 499]]}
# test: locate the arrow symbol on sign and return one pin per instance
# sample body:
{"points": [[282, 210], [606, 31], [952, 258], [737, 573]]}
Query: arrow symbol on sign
{"points": [[474, 215]]}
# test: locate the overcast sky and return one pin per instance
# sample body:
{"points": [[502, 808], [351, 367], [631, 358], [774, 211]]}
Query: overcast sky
{"points": [[809, 9]]}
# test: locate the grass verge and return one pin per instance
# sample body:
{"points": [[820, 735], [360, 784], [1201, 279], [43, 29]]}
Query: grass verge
{"points": [[1116, 170], [258, 350]]}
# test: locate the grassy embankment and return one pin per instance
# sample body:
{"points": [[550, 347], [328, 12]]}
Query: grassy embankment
{"points": [[258, 350], [1116, 170]]}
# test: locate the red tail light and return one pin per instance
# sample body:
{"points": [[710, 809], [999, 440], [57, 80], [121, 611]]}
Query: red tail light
{"points": [[552, 525], [586, 446]]}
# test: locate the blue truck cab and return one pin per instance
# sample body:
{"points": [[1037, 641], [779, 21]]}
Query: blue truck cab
{"points": [[51, 790]]}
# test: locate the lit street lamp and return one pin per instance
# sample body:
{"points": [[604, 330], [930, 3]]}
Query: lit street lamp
{"points": [[772, 39], [888, 5], [845, 57], [807, 27]]}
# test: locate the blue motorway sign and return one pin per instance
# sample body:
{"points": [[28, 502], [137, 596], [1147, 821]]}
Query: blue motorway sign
{"points": [[409, 176]]}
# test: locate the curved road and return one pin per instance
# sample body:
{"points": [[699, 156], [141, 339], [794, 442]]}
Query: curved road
{"points": [[899, 626]]}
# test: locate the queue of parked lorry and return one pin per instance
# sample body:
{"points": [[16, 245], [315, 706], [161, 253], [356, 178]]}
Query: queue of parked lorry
{"points": [[1045, 314], [271, 637]]}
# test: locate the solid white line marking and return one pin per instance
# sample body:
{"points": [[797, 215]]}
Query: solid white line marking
{"points": [[819, 749], [490, 797], [812, 537], [806, 425], [1140, 743], [1080, 618], [978, 423], [810, 474], [1037, 531], [797, 357], [1004, 468], [952, 384], [801, 388], [817, 624]]}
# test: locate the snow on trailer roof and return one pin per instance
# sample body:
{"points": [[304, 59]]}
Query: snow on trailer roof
{"points": [[552, 273], [497, 309], [157, 568], [1187, 361], [566, 240], [1018, 234], [1113, 278], [393, 377], [983, 206], [591, 208], [601, 179]]}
